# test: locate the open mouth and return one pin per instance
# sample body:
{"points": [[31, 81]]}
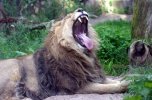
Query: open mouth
{"points": [[80, 30]]}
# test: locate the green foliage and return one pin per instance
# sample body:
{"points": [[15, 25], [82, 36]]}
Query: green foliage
{"points": [[116, 7], [39, 11], [95, 10], [141, 86], [50, 10], [71, 5], [114, 40], [53, 10], [119, 10], [10, 5], [92, 9], [21, 42]]}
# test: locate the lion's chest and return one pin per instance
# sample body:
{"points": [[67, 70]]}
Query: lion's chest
{"points": [[65, 75], [72, 74]]}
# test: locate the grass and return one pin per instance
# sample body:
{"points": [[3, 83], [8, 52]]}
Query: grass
{"points": [[21, 42], [115, 37], [141, 85]]}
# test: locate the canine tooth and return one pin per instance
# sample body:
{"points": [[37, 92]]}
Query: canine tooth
{"points": [[80, 20], [85, 12], [86, 18], [77, 14]]}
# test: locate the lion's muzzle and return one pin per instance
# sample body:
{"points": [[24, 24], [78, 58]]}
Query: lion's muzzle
{"points": [[80, 29]]}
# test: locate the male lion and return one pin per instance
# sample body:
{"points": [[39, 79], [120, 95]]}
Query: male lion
{"points": [[67, 64]]}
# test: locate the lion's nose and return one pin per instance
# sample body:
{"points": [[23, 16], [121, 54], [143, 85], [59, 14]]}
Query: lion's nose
{"points": [[79, 10], [80, 13]]}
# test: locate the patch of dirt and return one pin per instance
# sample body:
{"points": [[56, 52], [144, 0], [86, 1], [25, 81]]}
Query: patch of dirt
{"points": [[110, 17]]}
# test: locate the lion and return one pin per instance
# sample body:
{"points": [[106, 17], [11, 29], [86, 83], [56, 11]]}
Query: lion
{"points": [[66, 64], [140, 54]]}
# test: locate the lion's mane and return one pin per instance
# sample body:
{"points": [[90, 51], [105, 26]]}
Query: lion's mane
{"points": [[63, 67]]}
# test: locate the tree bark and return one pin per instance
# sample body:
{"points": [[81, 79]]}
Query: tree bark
{"points": [[142, 19], [18, 7], [2, 11]]}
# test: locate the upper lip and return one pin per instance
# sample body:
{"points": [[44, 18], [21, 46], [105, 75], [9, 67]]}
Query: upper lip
{"points": [[81, 17]]}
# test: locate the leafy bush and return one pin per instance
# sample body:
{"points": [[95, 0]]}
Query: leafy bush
{"points": [[95, 10], [21, 42], [141, 86], [114, 39], [39, 11], [52, 10]]}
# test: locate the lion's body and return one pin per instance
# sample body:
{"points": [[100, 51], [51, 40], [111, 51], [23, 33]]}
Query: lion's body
{"points": [[11, 74], [60, 67]]}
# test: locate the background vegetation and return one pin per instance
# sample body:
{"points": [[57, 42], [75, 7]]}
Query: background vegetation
{"points": [[141, 85], [21, 42], [115, 38]]}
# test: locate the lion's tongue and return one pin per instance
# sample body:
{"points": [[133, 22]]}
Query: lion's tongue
{"points": [[86, 41]]}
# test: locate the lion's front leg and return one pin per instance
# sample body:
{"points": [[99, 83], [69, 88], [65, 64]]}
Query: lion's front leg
{"points": [[105, 88], [23, 93], [20, 90], [112, 81], [26, 99]]}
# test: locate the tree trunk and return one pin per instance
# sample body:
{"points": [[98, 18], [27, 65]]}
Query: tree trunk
{"points": [[142, 19], [18, 7], [2, 12]]}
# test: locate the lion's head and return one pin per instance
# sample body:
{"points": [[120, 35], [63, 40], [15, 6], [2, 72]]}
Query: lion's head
{"points": [[72, 33]]}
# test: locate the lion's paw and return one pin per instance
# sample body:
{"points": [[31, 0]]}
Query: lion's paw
{"points": [[124, 85], [27, 99], [20, 90]]}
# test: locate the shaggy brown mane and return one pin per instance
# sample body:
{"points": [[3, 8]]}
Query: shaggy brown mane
{"points": [[68, 68], [65, 75]]}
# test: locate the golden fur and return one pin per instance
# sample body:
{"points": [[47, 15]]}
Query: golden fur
{"points": [[60, 67]]}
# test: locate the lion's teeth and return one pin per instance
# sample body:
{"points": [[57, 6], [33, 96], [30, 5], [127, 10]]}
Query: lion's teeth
{"points": [[86, 18], [80, 20]]}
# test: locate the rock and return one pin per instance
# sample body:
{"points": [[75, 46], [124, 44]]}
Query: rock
{"points": [[87, 97]]}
